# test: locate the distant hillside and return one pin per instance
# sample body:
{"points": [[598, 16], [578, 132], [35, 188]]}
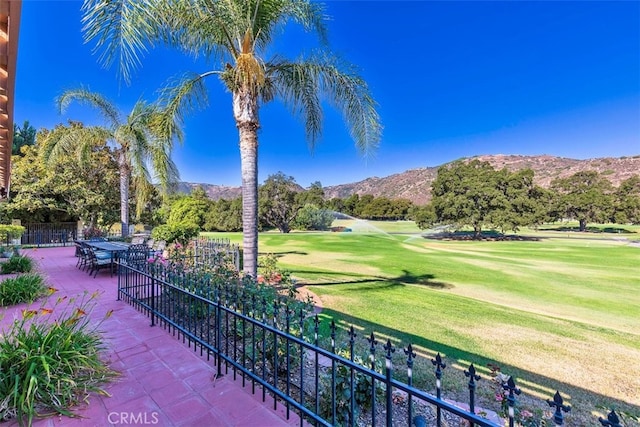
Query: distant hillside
{"points": [[415, 184], [215, 192]]}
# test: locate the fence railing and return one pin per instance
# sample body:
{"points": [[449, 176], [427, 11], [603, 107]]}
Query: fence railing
{"points": [[276, 350], [45, 234], [209, 251]]}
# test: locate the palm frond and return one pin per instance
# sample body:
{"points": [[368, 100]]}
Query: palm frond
{"points": [[93, 99], [74, 141], [298, 88], [120, 29], [199, 27], [268, 17], [179, 97], [304, 83]]}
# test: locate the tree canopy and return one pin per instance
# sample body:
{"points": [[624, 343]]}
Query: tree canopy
{"points": [[472, 193], [238, 37], [63, 189], [585, 196], [24, 135], [144, 138], [278, 201]]}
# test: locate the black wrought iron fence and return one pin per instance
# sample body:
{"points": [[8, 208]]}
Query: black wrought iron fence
{"points": [[45, 234], [209, 251], [276, 350]]}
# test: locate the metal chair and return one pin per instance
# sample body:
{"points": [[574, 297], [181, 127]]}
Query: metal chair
{"points": [[98, 260], [137, 256]]}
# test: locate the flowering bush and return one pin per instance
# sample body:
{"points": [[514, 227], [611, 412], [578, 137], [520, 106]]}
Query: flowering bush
{"points": [[50, 359], [90, 232], [270, 274], [523, 417], [181, 232]]}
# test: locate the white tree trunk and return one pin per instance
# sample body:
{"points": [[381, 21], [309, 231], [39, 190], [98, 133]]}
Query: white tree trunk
{"points": [[245, 111], [124, 193]]}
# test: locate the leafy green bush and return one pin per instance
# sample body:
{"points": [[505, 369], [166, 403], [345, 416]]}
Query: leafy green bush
{"points": [[176, 233], [91, 232], [17, 264], [310, 217], [50, 366], [9, 231], [24, 288], [244, 294], [362, 391]]}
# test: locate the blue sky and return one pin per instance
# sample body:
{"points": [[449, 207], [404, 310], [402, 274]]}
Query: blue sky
{"points": [[452, 79]]}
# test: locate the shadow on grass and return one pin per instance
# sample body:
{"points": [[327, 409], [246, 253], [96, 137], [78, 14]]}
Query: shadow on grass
{"points": [[406, 278], [610, 230], [534, 384], [281, 254], [486, 236]]}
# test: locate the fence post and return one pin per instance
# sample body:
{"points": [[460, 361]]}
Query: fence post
{"points": [[352, 407], [153, 295], [410, 355], [473, 377], [612, 420], [388, 347], [316, 328], [332, 326], [219, 336], [558, 403], [440, 365], [510, 386], [372, 350]]}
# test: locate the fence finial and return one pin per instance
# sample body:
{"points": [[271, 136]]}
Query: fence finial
{"points": [[558, 403], [510, 386], [473, 377], [612, 419]]}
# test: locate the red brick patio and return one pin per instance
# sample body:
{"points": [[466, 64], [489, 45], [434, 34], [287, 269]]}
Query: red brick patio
{"points": [[163, 382]]}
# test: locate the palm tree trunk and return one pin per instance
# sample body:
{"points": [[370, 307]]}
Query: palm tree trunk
{"points": [[245, 110], [124, 193]]}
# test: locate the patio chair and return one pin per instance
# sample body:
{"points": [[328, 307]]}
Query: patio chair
{"points": [[82, 252], [137, 256], [78, 245], [159, 247], [99, 260]]}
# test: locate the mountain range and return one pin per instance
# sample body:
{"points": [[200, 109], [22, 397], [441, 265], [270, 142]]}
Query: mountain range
{"points": [[415, 184]]}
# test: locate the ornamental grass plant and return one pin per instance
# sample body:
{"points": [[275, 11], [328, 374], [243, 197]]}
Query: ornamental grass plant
{"points": [[17, 264], [50, 360], [24, 288]]}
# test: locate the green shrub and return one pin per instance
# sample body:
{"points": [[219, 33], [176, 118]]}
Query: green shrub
{"points": [[10, 231], [24, 288], [90, 232], [50, 366], [176, 233], [17, 264], [362, 391]]}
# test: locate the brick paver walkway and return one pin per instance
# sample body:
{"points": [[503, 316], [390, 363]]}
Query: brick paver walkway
{"points": [[162, 381]]}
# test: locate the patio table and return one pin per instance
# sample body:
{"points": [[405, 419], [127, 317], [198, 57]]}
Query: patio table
{"points": [[114, 249]]}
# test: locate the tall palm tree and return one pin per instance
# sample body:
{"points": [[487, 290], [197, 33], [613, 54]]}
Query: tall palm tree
{"points": [[235, 35], [143, 139]]}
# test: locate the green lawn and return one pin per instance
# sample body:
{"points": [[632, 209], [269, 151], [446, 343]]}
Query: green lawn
{"points": [[560, 312]]}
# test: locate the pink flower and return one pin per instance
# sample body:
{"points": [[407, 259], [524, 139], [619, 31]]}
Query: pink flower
{"points": [[151, 260], [526, 414], [499, 397]]}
